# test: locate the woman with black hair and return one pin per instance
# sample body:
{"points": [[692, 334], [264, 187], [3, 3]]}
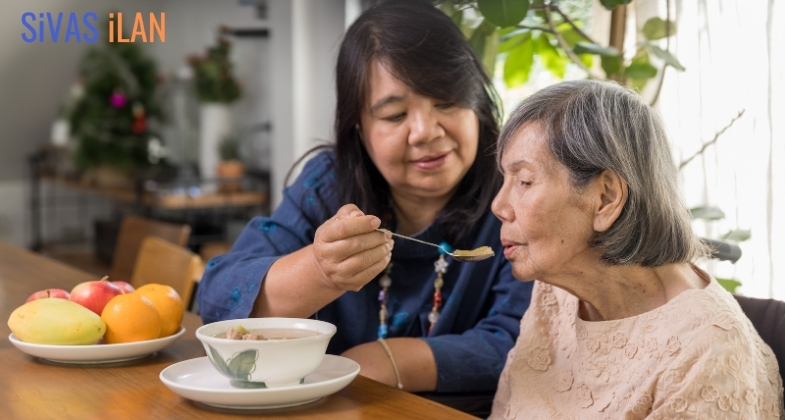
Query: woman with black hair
{"points": [[416, 129]]}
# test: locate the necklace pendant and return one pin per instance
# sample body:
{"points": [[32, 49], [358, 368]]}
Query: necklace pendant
{"points": [[433, 317], [440, 266], [385, 281]]}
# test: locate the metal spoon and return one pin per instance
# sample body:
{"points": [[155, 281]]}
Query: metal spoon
{"points": [[478, 254]]}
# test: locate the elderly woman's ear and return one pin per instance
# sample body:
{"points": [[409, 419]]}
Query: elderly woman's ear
{"points": [[609, 193]]}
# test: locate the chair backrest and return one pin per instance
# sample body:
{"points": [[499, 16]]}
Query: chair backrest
{"points": [[768, 318], [163, 262], [133, 231]]}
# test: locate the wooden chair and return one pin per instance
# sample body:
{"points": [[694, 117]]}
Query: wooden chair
{"points": [[133, 231], [163, 262]]}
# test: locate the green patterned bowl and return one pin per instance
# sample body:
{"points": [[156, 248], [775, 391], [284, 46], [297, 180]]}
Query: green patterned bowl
{"points": [[266, 363]]}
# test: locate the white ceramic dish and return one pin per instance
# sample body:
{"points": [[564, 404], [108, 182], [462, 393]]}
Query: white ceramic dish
{"points": [[96, 353], [197, 380], [266, 363]]}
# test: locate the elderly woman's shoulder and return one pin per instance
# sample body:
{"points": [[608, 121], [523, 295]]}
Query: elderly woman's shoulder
{"points": [[719, 362]]}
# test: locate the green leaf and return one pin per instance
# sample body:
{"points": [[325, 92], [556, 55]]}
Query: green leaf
{"points": [[729, 284], [219, 362], [550, 57], [587, 59], [640, 71], [457, 18], [656, 28], [518, 64], [447, 7], [491, 51], [589, 48], [503, 13], [569, 34], [665, 56], [737, 235], [505, 34], [484, 42], [242, 364], [638, 84], [477, 40], [611, 4], [611, 64], [511, 43], [707, 213]]}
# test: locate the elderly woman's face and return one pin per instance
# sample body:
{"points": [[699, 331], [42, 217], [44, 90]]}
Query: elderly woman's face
{"points": [[546, 223], [421, 146]]}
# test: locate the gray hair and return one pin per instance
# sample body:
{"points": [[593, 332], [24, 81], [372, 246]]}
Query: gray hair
{"points": [[595, 126]]}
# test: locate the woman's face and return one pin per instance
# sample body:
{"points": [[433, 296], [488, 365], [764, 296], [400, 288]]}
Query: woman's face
{"points": [[546, 223], [423, 147]]}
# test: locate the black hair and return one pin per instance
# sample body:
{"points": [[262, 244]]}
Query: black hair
{"points": [[424, 49]]}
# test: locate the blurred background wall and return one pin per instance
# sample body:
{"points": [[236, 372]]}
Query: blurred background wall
{"points": [[287, 79]]}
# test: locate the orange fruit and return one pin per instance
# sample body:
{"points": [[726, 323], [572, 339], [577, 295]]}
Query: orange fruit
{"points": [[130, 317], [168, 303]]}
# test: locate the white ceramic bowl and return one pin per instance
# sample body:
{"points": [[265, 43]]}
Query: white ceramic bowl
{"points": [[266, 363]]}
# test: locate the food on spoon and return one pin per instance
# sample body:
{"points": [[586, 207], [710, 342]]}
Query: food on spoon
{"points": [[483, 250], [49, 293], [94, 295], [56, 321]]}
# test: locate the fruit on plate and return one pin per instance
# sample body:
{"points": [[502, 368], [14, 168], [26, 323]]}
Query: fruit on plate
{"points": [[168, 303], [130, 317], [124, 286], [48, 293], [56, 321], [94, 295]]}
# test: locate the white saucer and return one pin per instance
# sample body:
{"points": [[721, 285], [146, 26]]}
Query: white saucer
{"points": [[95, 353], [197, 380]]}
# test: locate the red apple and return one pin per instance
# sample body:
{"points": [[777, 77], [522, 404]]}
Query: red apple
{"points": [[125, 287], [94, 295], [48, 293]]}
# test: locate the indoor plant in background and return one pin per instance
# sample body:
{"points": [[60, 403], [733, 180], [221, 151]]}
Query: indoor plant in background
{"points": [[216, 88], [512, 33], [231, 169]]}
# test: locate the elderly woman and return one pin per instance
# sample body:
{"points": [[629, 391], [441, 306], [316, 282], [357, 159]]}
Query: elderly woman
{"points": [[622, 325]]}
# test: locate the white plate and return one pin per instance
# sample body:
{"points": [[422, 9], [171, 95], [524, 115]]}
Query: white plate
{"points": [[196, 379], [96, 353]]}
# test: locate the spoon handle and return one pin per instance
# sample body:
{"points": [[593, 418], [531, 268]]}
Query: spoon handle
{"points": [[412, 239]]}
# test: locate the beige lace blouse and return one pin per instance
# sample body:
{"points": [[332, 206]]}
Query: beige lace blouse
{"points": [[696, 357]]}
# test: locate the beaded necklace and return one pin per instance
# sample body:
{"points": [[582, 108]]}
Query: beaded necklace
{"points": [[440, 267]]}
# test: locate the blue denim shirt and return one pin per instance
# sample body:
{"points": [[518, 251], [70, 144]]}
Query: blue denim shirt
{"points": [[483, 302]]}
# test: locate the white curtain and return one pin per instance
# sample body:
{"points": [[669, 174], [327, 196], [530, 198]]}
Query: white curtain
{"points": [[734, 54]]}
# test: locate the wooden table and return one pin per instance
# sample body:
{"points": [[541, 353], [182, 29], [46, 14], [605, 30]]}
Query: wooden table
{"points": [[31, 388]]}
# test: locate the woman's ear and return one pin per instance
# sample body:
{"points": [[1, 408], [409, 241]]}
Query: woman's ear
{"points": [[612, 193]]}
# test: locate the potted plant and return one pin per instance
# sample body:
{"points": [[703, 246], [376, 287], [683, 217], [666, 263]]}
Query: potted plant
{"points": [[230, 169], [216, 88]]}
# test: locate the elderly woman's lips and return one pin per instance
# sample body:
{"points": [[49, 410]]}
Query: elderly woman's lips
{"points": [[432, 162], [510, 249]]}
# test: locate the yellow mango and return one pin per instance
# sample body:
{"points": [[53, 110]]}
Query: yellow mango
{"points": [[56, 321]]}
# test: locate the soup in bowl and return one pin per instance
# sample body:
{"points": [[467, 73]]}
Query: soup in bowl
{"points": [[266, 352]]}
